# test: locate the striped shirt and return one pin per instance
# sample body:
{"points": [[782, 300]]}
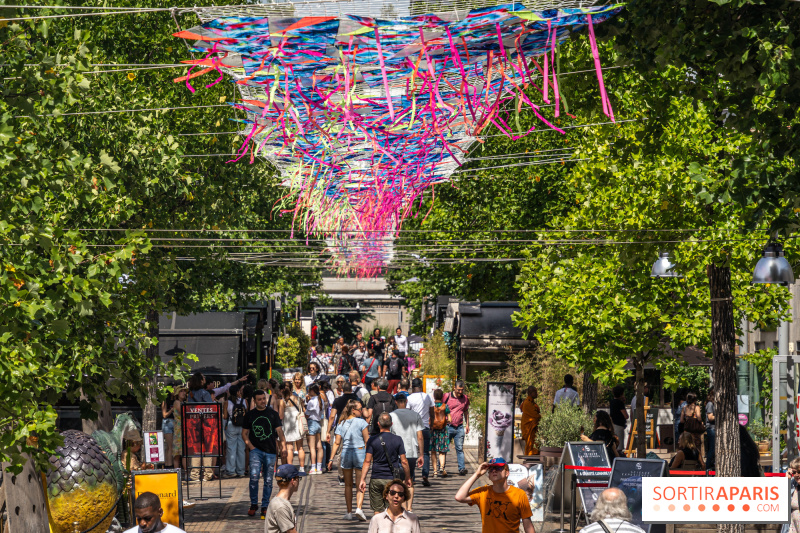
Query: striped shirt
{"points": [[614, 525]]}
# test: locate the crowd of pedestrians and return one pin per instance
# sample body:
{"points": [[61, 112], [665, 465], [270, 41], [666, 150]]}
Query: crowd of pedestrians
{"points": [[358, 415]]}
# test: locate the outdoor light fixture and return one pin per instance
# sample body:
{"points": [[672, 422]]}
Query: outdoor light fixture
{"points": [[773, 266], [662, 268]]}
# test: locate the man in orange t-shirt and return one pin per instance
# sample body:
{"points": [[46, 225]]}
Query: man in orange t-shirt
{"points": [[502, 506]]}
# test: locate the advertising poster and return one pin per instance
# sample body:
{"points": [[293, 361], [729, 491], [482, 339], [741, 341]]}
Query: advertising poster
{"points": [[153, 447], [202, 429], [589, 454], [499, 430], [167, 485], [627, 474], [531, 480]]}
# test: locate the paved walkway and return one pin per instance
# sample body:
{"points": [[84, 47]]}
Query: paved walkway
{"points": [[320, 505]]}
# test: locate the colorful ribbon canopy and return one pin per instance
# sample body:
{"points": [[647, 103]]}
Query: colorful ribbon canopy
{"points": [[362, 115]]}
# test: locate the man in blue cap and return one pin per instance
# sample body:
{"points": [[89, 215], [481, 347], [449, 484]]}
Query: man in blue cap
{"points": [[280, 513], [502, 505]]}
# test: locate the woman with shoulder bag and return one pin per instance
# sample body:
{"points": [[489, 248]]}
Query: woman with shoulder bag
{"points": [[351, 436], [293, 426], [692, 419]]}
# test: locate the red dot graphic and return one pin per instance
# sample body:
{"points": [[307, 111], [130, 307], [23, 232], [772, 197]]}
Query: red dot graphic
{"points": [[687, 507], [716, 507], [746, 507], [671, 507], [731, 507], [701, 507]]}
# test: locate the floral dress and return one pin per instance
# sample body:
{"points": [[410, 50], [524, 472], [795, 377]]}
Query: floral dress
{"points": [[440, 442]]}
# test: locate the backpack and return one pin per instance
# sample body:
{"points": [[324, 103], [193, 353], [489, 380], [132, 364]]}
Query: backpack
{"points": [[381, 406], [239, 412], [439, 417], [346, 364], [394, 366]]}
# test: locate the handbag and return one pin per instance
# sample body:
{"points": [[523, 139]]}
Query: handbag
{"points": [[397, 473], [301, 419], [694, 425]]}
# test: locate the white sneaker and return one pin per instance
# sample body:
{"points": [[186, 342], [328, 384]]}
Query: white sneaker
{"points": [[187, 503], [302, 469], [360, 515], [348, 516], [312, 471]]}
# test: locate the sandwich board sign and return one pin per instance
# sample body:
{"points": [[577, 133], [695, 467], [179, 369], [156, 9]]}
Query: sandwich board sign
{"points": [[582, 454]]}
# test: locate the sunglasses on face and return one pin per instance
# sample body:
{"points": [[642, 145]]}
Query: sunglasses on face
{"points": [[397, 493], [496, 468]]}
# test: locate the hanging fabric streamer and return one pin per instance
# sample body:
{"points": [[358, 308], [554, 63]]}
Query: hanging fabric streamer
{"points": [[364, 116]]}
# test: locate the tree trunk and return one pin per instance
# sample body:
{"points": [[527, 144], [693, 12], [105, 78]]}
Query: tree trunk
{"points": [[150, 413], [728, 449], [589, 399], [641, 436]]}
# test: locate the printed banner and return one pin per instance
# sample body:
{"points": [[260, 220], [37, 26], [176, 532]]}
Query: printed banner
{"points": [[202, 429], [627, 475], [531, 480], [154, 447], [166, 484], [719, 500], [499, 430]]}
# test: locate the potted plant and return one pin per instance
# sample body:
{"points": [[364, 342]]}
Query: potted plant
{"points": [[560, 426], [761, 433]]}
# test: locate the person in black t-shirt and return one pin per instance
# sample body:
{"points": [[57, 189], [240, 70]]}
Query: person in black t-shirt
{"points": [[602, 433], [387, 454], [619, 415], [395, 368], [338, 405], [263, 435]]}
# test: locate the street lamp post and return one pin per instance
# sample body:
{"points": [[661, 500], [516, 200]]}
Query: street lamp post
{"points": [[774, 268]]}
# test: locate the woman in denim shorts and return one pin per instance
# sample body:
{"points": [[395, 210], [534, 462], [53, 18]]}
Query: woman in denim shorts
{"points": [[351, 437], [315, 408]]}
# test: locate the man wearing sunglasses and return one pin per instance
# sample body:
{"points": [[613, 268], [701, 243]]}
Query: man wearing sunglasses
{"points": [[502, 506]]}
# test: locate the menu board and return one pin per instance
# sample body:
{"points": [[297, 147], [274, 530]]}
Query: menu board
{"points": [[627, 474], [589, 454]]}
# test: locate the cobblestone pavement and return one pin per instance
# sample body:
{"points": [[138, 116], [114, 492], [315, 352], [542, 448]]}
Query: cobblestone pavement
{"points": [[320, 505]]}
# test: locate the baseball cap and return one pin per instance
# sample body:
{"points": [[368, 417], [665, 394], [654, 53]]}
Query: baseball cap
{"points": [[498, 461], [416, 382], [288, 472]]}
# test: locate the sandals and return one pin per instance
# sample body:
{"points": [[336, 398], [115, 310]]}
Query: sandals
{"points": [[444, 473]]}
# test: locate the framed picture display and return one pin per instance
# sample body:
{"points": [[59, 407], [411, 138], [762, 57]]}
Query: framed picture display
{"points": [[499, 427]]}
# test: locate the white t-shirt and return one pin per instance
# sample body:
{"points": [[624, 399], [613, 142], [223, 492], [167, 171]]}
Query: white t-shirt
{"points": [[567, 395], [405, 424], [420, 403], [360, 391], [402, 343], [169, 529]]}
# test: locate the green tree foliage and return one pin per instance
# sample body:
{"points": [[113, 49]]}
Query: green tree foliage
{"points": [[82, 195], [593, 301], [750, 48]]}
